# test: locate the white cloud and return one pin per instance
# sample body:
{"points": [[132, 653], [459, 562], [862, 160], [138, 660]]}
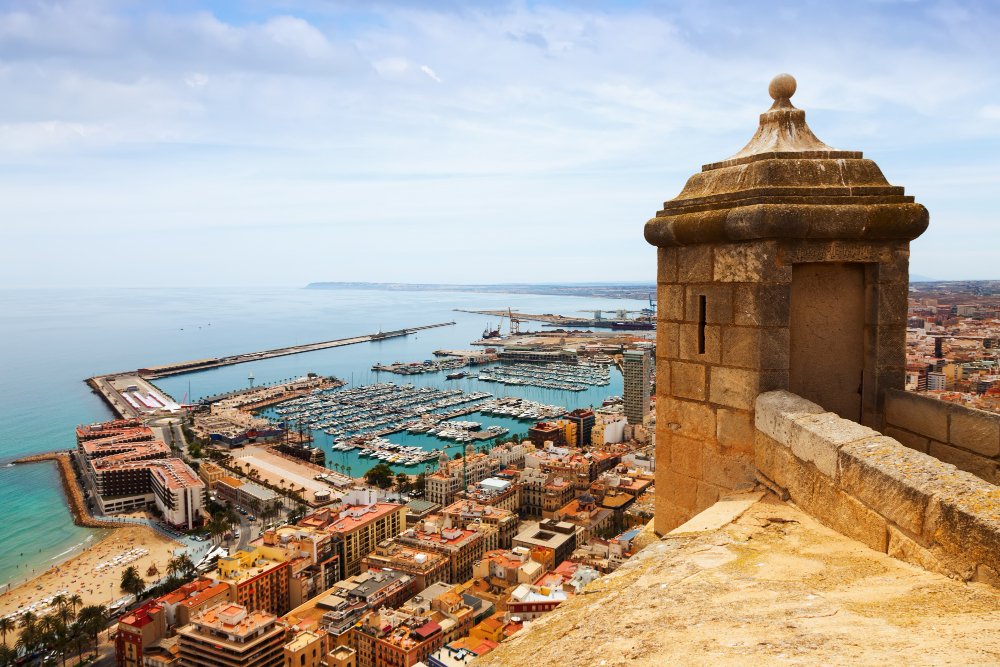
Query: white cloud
{"points": [[429, 72], [558, 117]]}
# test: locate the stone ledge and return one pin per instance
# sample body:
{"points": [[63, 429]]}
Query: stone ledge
{"points": [[773, 586], [878, 491]]}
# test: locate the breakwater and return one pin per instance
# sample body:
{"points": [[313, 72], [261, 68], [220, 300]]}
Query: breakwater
{"points": [[74, 494]]}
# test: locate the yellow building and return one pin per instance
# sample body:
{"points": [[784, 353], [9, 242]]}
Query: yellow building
{"points": [[210, 474], [361, 523], [306, 649], [258, 577]]}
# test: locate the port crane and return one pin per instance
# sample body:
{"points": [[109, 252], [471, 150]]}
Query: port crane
{"points": [[515, 322]]}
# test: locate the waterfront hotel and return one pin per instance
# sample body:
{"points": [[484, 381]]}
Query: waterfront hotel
{"points": [[127, 471]]}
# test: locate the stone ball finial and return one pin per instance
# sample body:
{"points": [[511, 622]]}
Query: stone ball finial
{"points": [[782, 87]]}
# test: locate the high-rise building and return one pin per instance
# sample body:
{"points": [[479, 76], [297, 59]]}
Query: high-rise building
{"points": [[636, 372]]}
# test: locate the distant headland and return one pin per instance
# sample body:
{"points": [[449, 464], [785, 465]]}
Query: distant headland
{"points": [[609, 290]]}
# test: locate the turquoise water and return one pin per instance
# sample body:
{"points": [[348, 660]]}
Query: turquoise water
{"points": [[55, 338]]}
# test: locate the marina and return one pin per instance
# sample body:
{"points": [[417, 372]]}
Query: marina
{"points": [[566, 377]]}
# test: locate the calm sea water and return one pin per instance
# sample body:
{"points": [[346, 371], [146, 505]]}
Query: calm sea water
{"points": [[53, 339]]}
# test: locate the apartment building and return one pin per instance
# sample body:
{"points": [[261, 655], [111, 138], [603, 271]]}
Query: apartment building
{"points": [[258, 578], [228, 635], [359, 524], [313, 559], [461, 546], [441, 486], [427, 567], [468, 514], [388, 638]]}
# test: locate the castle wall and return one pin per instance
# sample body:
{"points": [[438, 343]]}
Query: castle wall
{"points": [[873, 489], [965, 437]]}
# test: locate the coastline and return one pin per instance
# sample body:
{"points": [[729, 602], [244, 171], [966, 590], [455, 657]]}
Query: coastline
{"points": [[78, 574], [74, 494]]}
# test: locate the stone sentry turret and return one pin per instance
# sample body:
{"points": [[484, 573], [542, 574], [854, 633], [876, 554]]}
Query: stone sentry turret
{"points": [[782, 267]]}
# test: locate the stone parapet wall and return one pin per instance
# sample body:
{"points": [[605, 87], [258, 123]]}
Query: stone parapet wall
{"points": [[966, 437], [873, 489]]}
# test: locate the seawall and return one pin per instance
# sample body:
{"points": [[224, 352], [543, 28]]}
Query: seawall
{"points": [[74, 494]]}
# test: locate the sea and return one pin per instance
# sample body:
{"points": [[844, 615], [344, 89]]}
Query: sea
{"points": [[55, 338]]}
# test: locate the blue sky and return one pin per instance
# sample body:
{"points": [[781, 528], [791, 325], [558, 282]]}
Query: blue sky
{"points": [[196, 143]]}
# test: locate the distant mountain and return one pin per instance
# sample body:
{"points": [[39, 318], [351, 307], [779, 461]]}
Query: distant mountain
{"points": [[611, 290], [916, 278]]}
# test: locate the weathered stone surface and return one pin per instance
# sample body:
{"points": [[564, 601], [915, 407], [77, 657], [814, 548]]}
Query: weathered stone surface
{"points": [[919, 414], [683, 491], [708, 494], [719, 514], [748, 263], [739, 388], [893, 480], [687, 380], [772, 587], [669, 303], [666, 265], [694, 264], [718, 303], [817, 438], [907, 439], [727, 470], [975, 430], [969, 522], [761, 305], [748, 347], [689, 348], [979, 466], [844, 513], [688, 418], [734, 429], [777, 410], [686, 456], [667, 344], [908, 550]]}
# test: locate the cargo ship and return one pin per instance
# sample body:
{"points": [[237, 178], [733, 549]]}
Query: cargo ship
{"points": [[634, 326]]}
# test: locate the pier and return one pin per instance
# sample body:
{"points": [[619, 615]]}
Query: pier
{"points": [[130, 395], [154, 372]]}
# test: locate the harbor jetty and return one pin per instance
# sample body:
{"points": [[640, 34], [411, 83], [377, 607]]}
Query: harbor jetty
{"points": [[130, 395], [74, 494]]}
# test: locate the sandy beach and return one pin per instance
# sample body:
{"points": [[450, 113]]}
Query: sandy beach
{"points": [[94, 575]]}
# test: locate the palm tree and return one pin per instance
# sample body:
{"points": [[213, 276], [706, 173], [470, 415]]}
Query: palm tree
{"points": [[74, 601], [94, 618], [132, 582], [79, 638], [218, 525], [7, 624], [28, 620], [8, 656], [63, 615], [60, 601]]}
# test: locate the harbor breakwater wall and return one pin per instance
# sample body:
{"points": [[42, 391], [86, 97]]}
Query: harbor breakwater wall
{"points": [[71, 486]]}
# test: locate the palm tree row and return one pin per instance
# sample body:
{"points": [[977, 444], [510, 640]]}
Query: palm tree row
{"points": [[61, 630]]}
